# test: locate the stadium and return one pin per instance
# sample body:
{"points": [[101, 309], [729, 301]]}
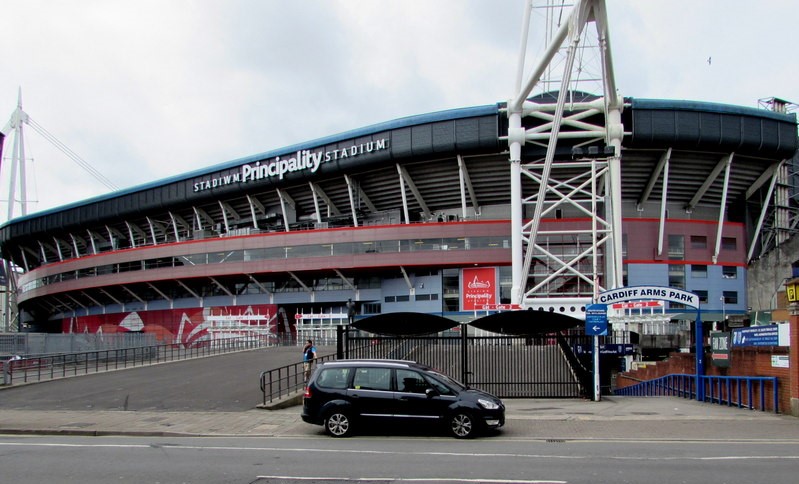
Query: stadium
{"points": [[437, 214]]}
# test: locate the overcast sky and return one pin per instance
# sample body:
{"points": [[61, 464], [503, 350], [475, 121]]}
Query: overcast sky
{"points": [[149, 89]]}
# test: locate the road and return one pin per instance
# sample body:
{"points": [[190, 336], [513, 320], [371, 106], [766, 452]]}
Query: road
{"points": [[392, 459]]}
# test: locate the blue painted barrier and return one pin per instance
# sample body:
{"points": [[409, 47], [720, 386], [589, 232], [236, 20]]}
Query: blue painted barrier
{"points": [[723, 390]]}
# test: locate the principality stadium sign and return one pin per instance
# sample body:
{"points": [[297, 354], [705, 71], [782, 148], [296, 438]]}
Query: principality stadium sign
{"points": [[278, 167]]}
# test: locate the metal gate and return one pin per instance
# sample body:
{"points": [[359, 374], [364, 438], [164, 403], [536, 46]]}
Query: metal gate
{"points": [[545, 366]]}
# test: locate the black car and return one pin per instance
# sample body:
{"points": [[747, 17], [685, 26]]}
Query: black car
{"points": [[345, 394]]}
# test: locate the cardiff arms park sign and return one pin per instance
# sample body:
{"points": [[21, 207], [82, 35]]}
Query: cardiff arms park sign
{"points": [[649, 292]]}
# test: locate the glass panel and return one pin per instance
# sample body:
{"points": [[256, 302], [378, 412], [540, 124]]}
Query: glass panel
{"points": [[410, 382], [729, 272], [372, 379], [729, 243], [334, 378], [303, 251], [676, 247], [677, 276], [730, 297], [698, 242]]}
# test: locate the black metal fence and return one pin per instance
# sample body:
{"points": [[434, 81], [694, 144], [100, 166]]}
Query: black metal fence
{"points": [[544, 366]]}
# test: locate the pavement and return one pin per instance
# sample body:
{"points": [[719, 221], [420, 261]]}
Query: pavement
{"points": [[219, 396], [614, 417]]}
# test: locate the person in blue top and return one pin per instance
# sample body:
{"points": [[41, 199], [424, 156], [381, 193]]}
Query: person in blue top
{"points": [[308, 355]]}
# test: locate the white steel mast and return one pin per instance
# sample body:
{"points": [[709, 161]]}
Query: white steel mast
{"points": [[586, 185], [18, 118]]}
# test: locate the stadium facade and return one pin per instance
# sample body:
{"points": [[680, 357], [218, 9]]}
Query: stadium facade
{"points": [[414, 215]]}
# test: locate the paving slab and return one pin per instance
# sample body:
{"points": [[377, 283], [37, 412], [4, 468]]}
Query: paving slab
{"points": [[657, 418]]}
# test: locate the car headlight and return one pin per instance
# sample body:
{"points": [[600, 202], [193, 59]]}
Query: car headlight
{"points": [[487, 404]]}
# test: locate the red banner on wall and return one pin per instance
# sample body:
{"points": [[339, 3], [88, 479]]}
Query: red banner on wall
{"points": [[190, 326], [478, 288]]}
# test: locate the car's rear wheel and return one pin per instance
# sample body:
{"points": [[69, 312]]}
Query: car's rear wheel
{"points": [[462, 425], [338, 424]]}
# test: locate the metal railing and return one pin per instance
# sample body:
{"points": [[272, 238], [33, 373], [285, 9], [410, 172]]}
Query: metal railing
{"points": [[33, 368], [27, 344], [741, 391], [286, 380]]}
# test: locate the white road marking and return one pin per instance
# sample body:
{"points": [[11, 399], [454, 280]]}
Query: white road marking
{"points": [[419, 479], [306, 450]]}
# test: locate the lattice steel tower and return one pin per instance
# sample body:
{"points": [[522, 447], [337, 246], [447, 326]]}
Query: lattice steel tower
{"points": [[565, 161]]}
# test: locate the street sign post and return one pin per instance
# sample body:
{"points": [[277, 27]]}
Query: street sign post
{"points": [[596, 320], [596, 325]]}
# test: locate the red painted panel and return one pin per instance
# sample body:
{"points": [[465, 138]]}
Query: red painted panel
{"points": [[479, 288], [191, 326]]}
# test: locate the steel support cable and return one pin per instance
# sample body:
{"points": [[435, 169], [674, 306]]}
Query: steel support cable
{"points": [[72, 155]]}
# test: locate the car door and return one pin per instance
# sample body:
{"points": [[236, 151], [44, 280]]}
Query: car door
{"points": [[413, 400], [371, 393]]}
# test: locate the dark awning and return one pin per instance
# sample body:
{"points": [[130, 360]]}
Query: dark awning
{"points": [[523, 323], [404, 324]]}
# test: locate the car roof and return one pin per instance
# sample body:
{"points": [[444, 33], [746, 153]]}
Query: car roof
{"points": [[377, 362]]}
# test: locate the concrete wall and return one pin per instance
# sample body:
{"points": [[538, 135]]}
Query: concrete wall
{"points": [[767, 275]]}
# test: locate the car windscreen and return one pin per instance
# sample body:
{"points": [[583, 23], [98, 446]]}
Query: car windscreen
{"points": [[446, 380]]}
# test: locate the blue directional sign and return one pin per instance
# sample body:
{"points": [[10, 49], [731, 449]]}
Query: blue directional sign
{"points": [[596, 320]]}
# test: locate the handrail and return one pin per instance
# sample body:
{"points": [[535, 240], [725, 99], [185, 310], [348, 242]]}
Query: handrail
{"points": [[289, 379], [60, 365], [729, 390], [286, 380]]}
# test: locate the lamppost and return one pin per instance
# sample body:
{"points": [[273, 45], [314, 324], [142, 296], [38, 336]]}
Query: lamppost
{"points": [[723, 312]]}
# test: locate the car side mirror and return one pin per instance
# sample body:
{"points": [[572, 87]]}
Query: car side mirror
{"points": [[430, 392]]}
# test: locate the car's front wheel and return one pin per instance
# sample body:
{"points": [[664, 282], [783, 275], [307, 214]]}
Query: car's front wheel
{"points": [[462, 425], [338, 424]]}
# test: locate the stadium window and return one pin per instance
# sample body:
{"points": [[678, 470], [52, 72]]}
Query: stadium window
{"points": [[698, 242], [702, 296], [390, 299], [370, 308], [699, 271], [729, 243], [677, 276], [403, 298], [730, 297], [676, 247], [422, 297], [729, 272]]}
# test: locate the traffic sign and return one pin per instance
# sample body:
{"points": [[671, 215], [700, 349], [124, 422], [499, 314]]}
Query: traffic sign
{"points": [[596, 320]]}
